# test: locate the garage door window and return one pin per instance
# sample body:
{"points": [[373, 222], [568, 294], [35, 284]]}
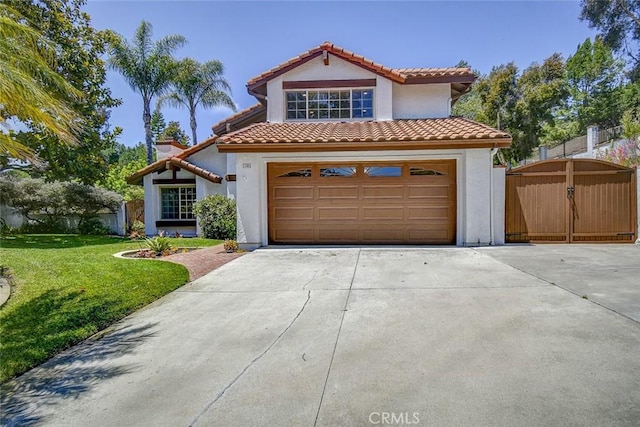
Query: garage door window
{"points": [[423, 171], [383, 171], [343, 171], [298, 173]]}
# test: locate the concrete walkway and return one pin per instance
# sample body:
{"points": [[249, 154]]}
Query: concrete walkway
{"points": [[328, 337]]}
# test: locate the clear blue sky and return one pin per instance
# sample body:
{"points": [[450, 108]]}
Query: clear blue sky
{"points": [[251, 37]]}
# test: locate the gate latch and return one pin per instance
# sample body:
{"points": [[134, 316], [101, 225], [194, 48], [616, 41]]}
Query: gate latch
{"points": [[570, 191]]}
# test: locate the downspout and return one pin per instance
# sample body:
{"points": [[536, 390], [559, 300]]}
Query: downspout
{"points": [[494, 151]]}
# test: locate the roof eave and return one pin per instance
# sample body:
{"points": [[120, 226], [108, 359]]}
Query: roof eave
{"points": [[434, 144]]}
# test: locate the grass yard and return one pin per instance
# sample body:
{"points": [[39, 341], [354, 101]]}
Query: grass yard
{"points": [[68, 287]]}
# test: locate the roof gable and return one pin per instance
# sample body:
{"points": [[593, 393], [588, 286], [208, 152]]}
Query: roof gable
{"points": [[461, 76]]}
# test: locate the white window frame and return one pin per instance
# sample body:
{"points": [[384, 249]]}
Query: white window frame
{"points": [[180, 213], [329, 119]]}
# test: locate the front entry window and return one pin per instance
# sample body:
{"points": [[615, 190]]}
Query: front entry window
{"points": [[177, 202]]}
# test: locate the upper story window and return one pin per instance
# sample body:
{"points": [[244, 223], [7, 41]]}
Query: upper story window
{"points": [[329, 104]]}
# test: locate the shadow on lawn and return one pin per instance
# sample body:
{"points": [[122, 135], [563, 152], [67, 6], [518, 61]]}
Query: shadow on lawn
{"points": [[55, 241], [26, 398]]}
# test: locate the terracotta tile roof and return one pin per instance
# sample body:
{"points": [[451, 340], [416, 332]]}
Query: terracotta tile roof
{"points": [[423, 130], [255, 113], [436, 72], [398, 75], [178, 161], [197, 170]]}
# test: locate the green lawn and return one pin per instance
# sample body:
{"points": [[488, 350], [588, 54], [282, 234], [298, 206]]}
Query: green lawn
{"points": [[68, 287]]}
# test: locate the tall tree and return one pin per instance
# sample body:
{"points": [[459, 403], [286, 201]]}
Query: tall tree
{"points": [[542, 90], [78, 51], [157, 124], [148, 67], [175, 132], [469, 104], [619, 24], [595, 80], [31, 90], [197, 84]]}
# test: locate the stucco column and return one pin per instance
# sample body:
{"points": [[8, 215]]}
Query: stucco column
{"points": [[249, 187], [477, 198]]}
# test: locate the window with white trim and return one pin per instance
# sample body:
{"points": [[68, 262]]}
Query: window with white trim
{"points": [[330, 104], [177, 202]]}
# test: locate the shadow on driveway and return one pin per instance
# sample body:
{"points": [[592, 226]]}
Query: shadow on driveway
{"points": [[75, 373]]}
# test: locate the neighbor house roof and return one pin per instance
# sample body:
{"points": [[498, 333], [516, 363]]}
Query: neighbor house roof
{"points": [[177, 161], [253, 114], [461, 76], [389, 134]]}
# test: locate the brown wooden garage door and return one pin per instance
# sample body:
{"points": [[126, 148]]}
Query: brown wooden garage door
{"points": [[571, 200], [362, 202]]}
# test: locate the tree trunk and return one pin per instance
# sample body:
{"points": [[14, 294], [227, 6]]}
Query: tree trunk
{"points": [[146, 118], [194, 125]]}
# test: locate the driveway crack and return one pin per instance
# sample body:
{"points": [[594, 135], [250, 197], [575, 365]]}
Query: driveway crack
{"points": [[235, 380], [335, 346]]}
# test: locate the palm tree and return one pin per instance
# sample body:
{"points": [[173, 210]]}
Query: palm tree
{"points": [[148, 67], [30, 88], [198, 84]]}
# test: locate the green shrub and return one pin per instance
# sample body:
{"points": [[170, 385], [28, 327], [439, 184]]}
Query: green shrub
{"points": [[45, 205], [217, 217], [92, 226]]}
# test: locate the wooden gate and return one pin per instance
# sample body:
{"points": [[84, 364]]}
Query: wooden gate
{"points": [[135, 212], [571, 200]]}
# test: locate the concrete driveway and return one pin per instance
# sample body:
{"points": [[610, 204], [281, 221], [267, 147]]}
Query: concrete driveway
{"points": [[357, 336]]}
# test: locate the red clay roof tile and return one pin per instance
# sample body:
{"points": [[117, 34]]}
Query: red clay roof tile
{"points": [[443, 129]]}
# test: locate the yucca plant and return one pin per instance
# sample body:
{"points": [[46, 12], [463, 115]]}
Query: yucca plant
{"points": [[160, 245]]}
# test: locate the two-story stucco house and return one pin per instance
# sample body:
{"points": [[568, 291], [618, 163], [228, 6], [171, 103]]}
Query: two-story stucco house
{"points": [[341, 150]]}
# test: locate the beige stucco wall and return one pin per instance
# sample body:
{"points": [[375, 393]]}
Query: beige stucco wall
{"points": [[421, 101], [392, 100], [474, 174]]}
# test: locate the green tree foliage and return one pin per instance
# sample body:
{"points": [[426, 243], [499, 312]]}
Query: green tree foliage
{"points": [[78, 51], [175, 132], [217, 216], [469, 104], [157, 124], [524, 104], [542, 89], [48, 203], [123, 162], [196, 84], [31, 90], [147, 67], [595, 81], [618, 22]]}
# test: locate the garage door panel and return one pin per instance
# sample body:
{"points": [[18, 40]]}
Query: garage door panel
{"points": [[293, 193], [383, 212], [338, 234], [292, 234], [347, 213], [428, 213], [381, 235], [331, 192], [363, 208], [383, 191], [429, 191], [436, 234], [293, 213]]}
